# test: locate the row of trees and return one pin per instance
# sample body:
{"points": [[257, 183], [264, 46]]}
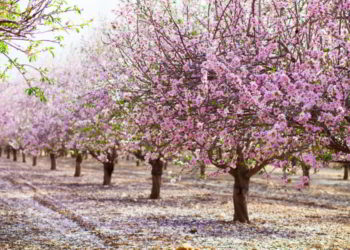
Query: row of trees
{"points": [[239, 85]]}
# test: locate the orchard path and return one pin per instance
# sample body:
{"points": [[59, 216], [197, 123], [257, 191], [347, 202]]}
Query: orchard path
{"points": [[29, 217], [43, 209]]}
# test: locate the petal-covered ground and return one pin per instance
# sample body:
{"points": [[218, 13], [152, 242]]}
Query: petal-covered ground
{"points": [[43, 209]]}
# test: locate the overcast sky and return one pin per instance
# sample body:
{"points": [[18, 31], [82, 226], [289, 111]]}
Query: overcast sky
{"points": [[98, 10]]}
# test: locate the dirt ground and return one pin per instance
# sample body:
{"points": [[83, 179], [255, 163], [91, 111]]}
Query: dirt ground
{"points": [[43, 209]]}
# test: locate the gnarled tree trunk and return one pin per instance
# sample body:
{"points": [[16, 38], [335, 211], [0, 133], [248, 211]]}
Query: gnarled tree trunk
{"points": [[346, 171], [14, 152], [53, 161], [157, 171], [78, 161], [34, 161], [23, 157], [108, 168]]}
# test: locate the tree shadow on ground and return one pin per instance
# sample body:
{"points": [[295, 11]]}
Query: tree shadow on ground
{"points": [[217, 228], [341, 218]]}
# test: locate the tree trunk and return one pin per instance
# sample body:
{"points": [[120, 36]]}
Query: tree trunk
{"points": [[14, 152], [78, 161], [53, 161], [0, 151], [108, 168], [8, 151], [202, 170], [157, 171], [23, 157], [240, 196], [34, 161], [137, 163], [346, 172], [306, 173], [127, 157]]}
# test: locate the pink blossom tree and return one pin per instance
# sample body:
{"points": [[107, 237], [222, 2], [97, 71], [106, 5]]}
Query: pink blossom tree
{"points": [[96, 107], [148, 142], [51, 124], [99, 129], [18, 113], [238, 80]]}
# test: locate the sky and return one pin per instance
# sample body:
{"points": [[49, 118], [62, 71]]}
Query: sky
{"points": [[98, 10]]}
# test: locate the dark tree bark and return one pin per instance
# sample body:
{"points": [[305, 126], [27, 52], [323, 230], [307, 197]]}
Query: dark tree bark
{"points": [[23, 157], [202, 170], [127, 157], [53, 161], [157, 171], [8, 152], [306, 173], [78, 161], [241, 175], [346, 171], [34, 161], [108, 168], [0, 151], [240, 197], [14, 152]]}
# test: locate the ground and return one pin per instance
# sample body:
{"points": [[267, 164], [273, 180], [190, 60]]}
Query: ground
{"points": [[43, 209]]}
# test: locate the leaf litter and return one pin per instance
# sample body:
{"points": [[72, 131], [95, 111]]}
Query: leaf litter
{"points": [[43, 209]]}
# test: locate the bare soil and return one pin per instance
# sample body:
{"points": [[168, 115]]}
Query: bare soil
{"points": [[43, 209]]}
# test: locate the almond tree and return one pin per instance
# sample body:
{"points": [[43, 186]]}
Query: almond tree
{"points": [[96, 106], [238, 80], [16, 116], [49, 123], [99, 128], [148, 143]]}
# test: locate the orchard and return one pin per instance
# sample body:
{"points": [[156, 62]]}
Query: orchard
{"points": [[177, 125]]}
